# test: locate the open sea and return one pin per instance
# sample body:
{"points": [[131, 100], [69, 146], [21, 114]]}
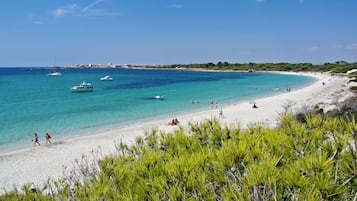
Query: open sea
{"points": [[31, 101]]}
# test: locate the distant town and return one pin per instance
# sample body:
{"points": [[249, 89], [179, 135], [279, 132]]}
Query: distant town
{"points": [[109, 65]]}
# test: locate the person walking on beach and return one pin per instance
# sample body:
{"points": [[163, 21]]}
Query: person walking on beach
{"points": [[221, 113], [48, 138], [35, 140]]}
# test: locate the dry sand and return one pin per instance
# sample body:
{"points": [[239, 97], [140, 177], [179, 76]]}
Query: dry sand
{"points": [[37, 164]]}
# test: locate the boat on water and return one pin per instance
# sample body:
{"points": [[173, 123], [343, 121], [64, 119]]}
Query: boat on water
{"points": [[82, 87], [56, 73], [106, 78], [159, 97]]}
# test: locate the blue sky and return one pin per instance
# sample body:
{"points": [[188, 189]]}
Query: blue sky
{"points": [[34, 32]]}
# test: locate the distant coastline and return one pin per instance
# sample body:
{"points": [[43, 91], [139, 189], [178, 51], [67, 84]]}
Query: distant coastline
{"points": [[331, 67], [335, 67]]}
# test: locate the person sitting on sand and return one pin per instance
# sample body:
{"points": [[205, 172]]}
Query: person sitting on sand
{"points": [[173, 122], [254, 105], [48, 138]]}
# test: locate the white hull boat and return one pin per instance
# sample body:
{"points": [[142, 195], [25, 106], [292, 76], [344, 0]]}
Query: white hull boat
{"points": [[159, 97], [55, 74], [106, 78], [83, 87]]}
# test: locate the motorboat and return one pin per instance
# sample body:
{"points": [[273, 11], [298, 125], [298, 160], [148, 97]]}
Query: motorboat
{"points": [[106, 78], [56, 73], [159, 97], [83, 87]]}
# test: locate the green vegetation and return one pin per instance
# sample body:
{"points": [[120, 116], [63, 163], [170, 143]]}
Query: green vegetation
{"points": [[313, 160], [307, 157], [337, 67]]}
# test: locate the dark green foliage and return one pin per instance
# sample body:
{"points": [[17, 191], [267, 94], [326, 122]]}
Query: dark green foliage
{"points": [[314, 160], [337, 67]]}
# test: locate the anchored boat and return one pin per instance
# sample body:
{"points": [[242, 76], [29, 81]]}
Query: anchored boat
{"points": [[83, 87]]}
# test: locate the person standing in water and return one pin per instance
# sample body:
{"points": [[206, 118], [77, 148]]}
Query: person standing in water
{"points": [[35, 140]]}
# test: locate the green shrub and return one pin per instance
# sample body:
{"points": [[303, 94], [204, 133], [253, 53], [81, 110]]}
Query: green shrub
{"points": [[314, 160]]}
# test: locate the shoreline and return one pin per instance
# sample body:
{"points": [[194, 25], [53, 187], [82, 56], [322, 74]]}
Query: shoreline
{"points": [[23, 145], [37, 164]]}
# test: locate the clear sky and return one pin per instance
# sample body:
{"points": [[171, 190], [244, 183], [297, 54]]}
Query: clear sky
{"points": [[34, 32]]}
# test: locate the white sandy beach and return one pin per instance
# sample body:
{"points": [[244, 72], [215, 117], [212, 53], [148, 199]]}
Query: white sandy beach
{"points": [[39, 163]]}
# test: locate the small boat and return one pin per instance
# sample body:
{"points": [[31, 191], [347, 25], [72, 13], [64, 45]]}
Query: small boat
{"points": [[83, 87], [56, 73], [106, 78], [159, 97]]}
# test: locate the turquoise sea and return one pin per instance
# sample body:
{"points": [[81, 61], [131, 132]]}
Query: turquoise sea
{"points": [[31, 101]]}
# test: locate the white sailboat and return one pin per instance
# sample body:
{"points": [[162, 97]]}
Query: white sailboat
{"points": [[55, 73]]}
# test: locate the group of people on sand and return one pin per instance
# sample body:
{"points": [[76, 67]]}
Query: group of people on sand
{"points": [[214, 105], [174, 122], [37, 142]]}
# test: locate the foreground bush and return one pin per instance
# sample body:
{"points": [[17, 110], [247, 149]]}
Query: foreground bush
{"points": [[315, 160]]}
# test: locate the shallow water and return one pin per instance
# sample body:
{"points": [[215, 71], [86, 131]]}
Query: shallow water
{"points": [[31, 101]]}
